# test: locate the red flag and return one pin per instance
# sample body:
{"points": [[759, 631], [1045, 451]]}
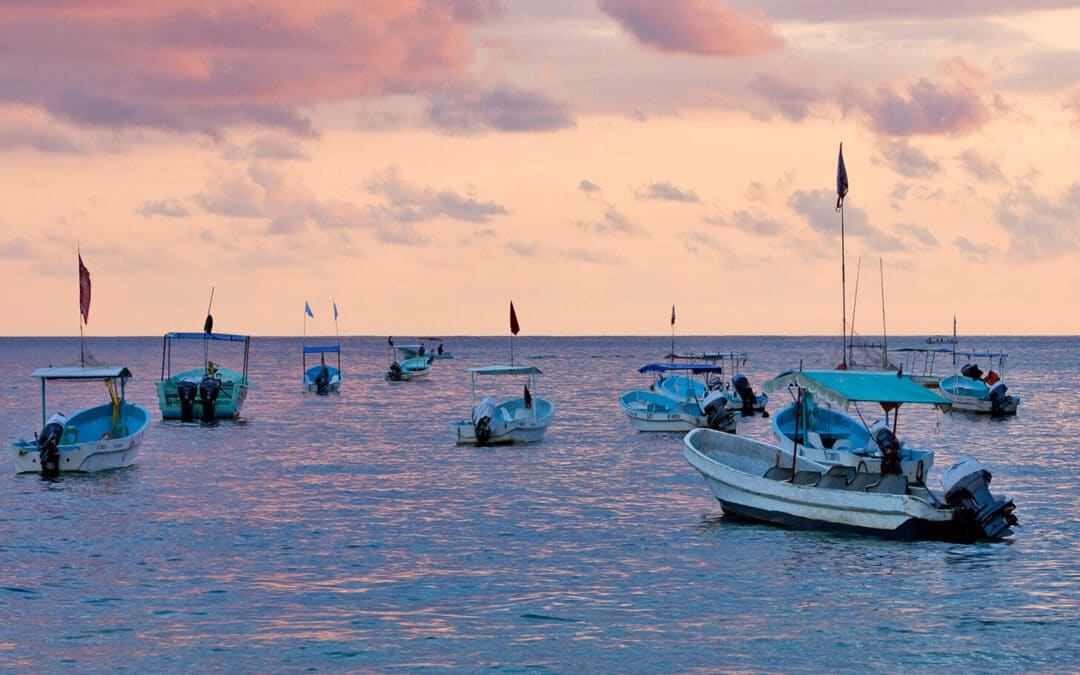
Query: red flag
{"points": [[514, 327], [84, 290]]}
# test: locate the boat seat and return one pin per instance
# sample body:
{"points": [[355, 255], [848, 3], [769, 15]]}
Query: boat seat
{"points": [[861, 480], [890, 484], [807, 477], [778, 473], [843, 444], [70, 435], [831, 481], [505, 415], [813, 439]]}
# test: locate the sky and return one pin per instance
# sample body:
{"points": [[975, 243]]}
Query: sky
{"points": [[423, 163]]}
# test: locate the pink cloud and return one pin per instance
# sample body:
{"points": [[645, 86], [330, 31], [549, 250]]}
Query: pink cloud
{"points": [[177, 65], [706, 27]]}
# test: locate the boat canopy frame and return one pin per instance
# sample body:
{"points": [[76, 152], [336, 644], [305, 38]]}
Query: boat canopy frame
{"points": [[166, 351], [530, 372], [83, 374]]}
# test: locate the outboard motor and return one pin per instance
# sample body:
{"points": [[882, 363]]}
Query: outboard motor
{"points": [[186, 389], [746, 393], [48, 446], [890, 447], [717, 416], [972, 371], [322, 381], [998, 399], [482, 420], [209, 389], [967, 488], [395, 372]]}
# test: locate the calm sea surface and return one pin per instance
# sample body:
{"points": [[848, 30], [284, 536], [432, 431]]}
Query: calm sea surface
{"points": [[348, 533]]}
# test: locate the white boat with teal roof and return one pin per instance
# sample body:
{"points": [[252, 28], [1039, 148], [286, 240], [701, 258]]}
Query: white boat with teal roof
{"points": [[522, 419], [209, 391]]}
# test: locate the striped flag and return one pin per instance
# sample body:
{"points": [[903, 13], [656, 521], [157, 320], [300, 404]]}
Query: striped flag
{"points": [[84, 290]]}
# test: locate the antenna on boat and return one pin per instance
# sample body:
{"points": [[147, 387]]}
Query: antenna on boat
{"points": [[884, 327], [841, 192], [208, 328]]}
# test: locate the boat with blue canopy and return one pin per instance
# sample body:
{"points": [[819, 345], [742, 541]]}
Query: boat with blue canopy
{"points": [[208, 391], [832, 437], [738, 391], [974, 391], [677, 402], [322, 378], [98, 438], [521, 419]]}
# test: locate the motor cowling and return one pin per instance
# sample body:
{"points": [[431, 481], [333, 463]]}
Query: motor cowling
{"points": [[717, 415], [482, 415], [49, 446], [967, 488], [890, 447], [209, 389], [746, 393], [972, 371], [998, 398], [322, 380], [187, 389], [395, 372]]}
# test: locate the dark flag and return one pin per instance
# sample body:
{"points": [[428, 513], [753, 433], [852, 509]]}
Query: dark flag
{"points": [[514, 327], [841, 180], [390, 341], [84, 290], [673, 315], [208, 325]]}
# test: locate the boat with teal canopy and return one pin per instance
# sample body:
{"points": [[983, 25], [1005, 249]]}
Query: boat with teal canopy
{"points": [[817, 424], [208, 391]]}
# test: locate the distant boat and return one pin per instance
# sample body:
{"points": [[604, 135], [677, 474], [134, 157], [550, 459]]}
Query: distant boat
{"points": [[322, 378], [522, 419], [677, 402], [98, 438], [409, 368], [208, 391], [973, 391], [737, 390]]}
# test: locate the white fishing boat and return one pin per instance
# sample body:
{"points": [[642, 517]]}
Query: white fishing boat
{"points": [[98, 438], [763, 482], [973, 391], [833, 437], [522, 419], [737, 390], [677, 402]]}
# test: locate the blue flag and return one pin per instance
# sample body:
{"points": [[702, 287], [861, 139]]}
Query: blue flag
{"points": [[307, 310], [335, 311]]}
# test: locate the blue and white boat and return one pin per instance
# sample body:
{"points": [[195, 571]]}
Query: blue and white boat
{"points": [[409, 368], [676, 402], [208, 391], [322, 378], [522, 419], [973, 391], [99, 438], [738, 392], [830, 437], [423, 349]]}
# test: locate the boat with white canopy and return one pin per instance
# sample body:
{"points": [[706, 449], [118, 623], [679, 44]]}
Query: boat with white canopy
{"points": [[520, 419]]}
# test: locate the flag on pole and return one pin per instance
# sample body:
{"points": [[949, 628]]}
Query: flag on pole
{"points": [[84, 290], [673, 315], [514, 326], [841, 180], [307, 310], [335, 310]]}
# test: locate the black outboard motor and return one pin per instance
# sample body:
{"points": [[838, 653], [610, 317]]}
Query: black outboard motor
{"points": [[890, 447], [998, 399], [186, 390], [967, 487], [482, 430], [322, 381], [717, 416], [48, 447], [208, 393], [972, 371], [746, 393], [395, 372]]}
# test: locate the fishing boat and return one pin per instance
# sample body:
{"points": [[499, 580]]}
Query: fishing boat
{"points": [[739, 393], [439, 351], [972, 391], [918, 363], [208, 391], [320, 378], [763, 482], [98, 438], [409, 368], [522, 419], [832, 437], [677, 402]]}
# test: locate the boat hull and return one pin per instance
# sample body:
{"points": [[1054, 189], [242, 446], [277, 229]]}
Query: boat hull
{"points": [[652, 412], [84, 448], [229, 402], [332, 385], [735, 470], [512, 423]]}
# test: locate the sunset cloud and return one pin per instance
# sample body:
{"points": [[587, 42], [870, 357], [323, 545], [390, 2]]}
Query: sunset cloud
{"points": [[172, 65], [909, 161], [410, 203], [665, 191], [501, 108], [1039, 226], [704, 27]]}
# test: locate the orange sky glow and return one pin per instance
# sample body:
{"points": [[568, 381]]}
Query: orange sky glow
{"points": [[424, 162]]}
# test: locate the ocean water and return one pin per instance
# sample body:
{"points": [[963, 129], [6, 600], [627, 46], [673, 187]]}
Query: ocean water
{"points": [[349, 533]]}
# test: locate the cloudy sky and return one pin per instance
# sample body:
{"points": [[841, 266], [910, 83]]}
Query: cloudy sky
{"points": [[424, 162]]}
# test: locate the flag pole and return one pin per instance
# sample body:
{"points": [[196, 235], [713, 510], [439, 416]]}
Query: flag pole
{"points": [[841, 192], [82, 338], [671, 354]]}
